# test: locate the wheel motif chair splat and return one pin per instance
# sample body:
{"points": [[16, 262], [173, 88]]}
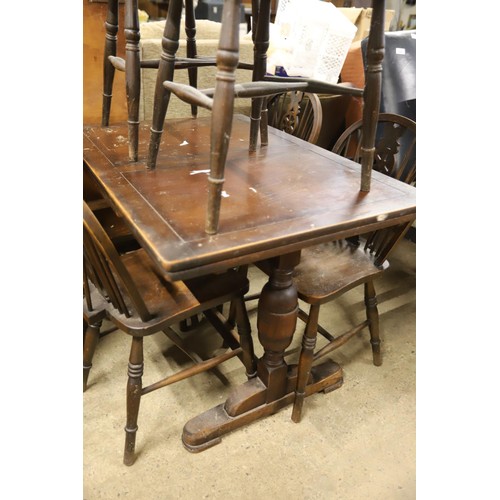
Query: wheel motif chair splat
{"points": [[296, 113]]}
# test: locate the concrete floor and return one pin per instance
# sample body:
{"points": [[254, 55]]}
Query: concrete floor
{"points": [[357, 442]]}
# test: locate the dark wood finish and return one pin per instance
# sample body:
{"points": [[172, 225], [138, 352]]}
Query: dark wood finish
{"points": [[132, 63], [272, 209], [223, 106], [373, 85], [345, 265], [170, 44], [191, 52], [94, 33], [111, 39], [129, 291], [132, 74]]}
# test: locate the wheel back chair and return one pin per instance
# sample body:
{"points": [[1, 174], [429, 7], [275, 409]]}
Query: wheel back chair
{"points": [[127, 289], [372, 142], [356, 261]]}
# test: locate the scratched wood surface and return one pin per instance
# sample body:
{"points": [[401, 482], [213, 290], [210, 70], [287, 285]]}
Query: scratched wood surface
{"points": [[270, 206]]}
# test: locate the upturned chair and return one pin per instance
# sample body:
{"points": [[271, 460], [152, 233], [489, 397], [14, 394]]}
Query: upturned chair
{"points": [[128, 290], [220, 99], [356, 261]]}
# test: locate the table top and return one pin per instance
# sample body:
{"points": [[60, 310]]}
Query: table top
{"points": [[279, 199]]}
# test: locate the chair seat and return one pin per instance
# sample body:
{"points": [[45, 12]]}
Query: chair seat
{"points": [[171, 302], [333, 268]]}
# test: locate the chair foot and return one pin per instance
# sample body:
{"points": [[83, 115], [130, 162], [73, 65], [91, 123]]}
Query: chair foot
{"points": [[377, 356], [373, 322], [297, 407], [129, 453]]}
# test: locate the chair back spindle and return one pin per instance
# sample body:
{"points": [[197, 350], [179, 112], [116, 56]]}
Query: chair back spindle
{"points": [[104, 261], [394, 155]]}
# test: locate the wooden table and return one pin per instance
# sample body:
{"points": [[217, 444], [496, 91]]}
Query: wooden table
{"points": [[272, 208]]}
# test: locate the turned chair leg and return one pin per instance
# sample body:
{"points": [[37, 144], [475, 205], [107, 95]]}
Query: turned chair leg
{"points": [[132, 75], [89, 344], [373, 321], [305, 361], [109, 50], [134, 392], [245, 333]]}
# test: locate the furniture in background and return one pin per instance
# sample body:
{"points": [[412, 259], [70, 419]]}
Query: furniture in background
{"points": [[348, 264], [129, 291], [297, 113]]}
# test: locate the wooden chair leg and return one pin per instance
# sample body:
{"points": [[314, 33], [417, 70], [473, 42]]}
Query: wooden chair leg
{"points": [[373, 321], [109, 50], [170, 44], [190, 28], [89, 344], [134, 391], [245, 333], [132, 75], [305, 361]]}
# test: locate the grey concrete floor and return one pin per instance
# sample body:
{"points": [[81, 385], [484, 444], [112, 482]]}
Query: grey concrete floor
{"points": [[357, 442]]}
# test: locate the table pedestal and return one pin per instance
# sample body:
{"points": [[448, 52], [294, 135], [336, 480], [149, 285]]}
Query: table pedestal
{"points": [[274, 386], [247, 403]]}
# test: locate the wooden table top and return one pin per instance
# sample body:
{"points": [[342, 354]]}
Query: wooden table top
{"points": [[285, 196]]}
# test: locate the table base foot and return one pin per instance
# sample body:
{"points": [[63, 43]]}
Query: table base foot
{"points": [[206, 429]]}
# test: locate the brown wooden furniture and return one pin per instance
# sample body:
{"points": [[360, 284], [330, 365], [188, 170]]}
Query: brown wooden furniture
{"points": [[128, 290], [347, 264], [131, 65], [265, 204], [94, 19], [271, 209], [221, 98], [297, 113], [229, 36]]}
